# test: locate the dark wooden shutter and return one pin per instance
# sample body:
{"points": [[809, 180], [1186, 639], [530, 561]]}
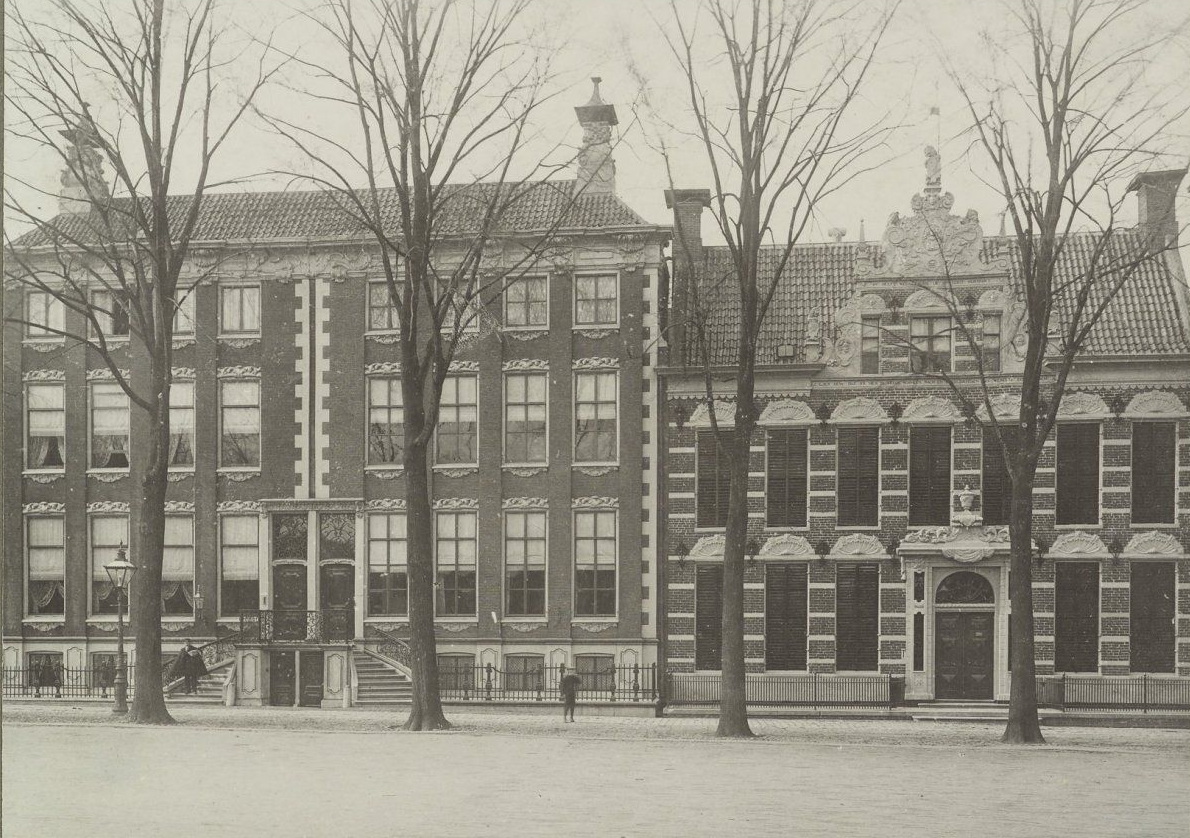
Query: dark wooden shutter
{"points": [[1153, 644], [714, 481], [997, 486], [859, 477], [1076, 617], [1078, 474], [1154, 461], [785, 488], [708, 617], [929, 476], [785, 616], [857, 617]]}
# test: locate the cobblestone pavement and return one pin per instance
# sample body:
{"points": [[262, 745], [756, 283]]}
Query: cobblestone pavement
{"points": [[330, 773]]}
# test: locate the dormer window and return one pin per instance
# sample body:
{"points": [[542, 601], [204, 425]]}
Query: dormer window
{"points": [[931, 338]]}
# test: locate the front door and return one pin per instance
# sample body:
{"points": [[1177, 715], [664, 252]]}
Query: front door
{"points": [[337, 600], [282, 679], [311, 678], [963, 654], [289, 602]]}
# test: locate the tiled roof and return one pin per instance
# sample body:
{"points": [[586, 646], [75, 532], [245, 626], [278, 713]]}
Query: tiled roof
{"points": [[261, 216], [1144, 318]]}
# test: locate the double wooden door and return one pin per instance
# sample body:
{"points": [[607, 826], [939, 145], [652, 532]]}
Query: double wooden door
{"points": [[963, 654]]}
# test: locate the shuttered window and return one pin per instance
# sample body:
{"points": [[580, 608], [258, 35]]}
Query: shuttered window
{"points": [[708, 617], [714, 480], [929, 475], [857, 617], [1076, 617], [997, 487], [785, 616], [1152, 612], [859, 477], [1154, 470], [1078, 474], [785, 486]]}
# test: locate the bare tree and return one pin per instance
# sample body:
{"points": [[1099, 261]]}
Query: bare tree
{"points": [[439, 163], [785, 138], [1067, 122], [157, 78]]}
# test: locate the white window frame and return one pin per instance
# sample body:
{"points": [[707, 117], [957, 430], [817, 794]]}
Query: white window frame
{"points": [[184, 311], [61, 386], [527, 374], [368, 540], [457, 513], [531, 327], [222, 545], [189, 519], [475, 463], [192, 408], [259, 427], [52, 313], [615, 373], [105, 318], [55, 618], [224, 331], [394, 384], [393, 316], [115, 388], [949, 334], [545, 565], [91, 576], [615, 513], [612, 324]]}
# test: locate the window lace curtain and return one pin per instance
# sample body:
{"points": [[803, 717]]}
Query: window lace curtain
{"points": [[41, 593], [110, 451], [169, 590], [180, 451]]}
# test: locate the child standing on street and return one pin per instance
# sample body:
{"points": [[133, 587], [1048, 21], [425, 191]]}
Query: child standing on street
{"points": [[569, 685]]}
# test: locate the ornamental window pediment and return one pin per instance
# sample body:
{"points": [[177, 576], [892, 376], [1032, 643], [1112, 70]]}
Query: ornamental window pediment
{"points": [[1079, 543], [724, 415], [1156, 404], [1083, 406], [859, 411], [858, 546], [787, 412], [931, 409], [787, 546]]}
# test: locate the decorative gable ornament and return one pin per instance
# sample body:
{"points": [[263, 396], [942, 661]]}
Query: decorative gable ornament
{"points": [[1078, 543], [931, 409], [859, 411], [787, 412], [724, 415], [1156, 404], [1004, 406], [787, 545], [1154, 543], [1083, 406], [709, 547]]}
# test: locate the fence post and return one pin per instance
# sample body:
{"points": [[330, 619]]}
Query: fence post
{"points": [[636, 682], [653, 692], [815, 703], [613, 690], [487, 687], [1145, 681], [540, 683]]}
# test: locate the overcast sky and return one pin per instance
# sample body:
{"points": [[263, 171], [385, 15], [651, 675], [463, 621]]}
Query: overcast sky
{"points": [[612, 38]]}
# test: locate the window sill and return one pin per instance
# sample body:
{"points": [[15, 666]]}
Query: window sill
{"points": [[37, 343], [542, 465], [395, 618], [384, 467], [1070, 527], [462, 468], [1166, 525], [43, 472], [536, 619], [44, 618], [544, 327], [606, 464], [859, 527], [606, 620], [787, 529], [596, 327]]}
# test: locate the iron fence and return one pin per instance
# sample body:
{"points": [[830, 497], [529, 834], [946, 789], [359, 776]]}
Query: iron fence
{"points": [[388, 645], [329, 625], [1125, 692], [809, 690], [543, 683], [62, 682]]}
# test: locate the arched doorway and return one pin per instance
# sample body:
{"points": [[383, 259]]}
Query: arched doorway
{"points": [[964, 631]]}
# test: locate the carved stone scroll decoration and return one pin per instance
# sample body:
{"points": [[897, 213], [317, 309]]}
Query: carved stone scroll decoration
{"points": [[596, 471], [383, 368], [456, 503], [632, 249], [1155, 404], [456, 628], [1004, 406], [102, 507], [709, 547], [596, 628], [596, 364], [179, 507], [44, 508], [386, 505], [45, 478], [785, 545], [1154, 543], [525, 334], [464, 366], [44, 375], [239, 476], [107, 476], [1083, 405], [526, 471], [595, 503], [463, 471], [931, 409], [595, 334], [859, 410], [388, 339], [44, 346], [239, 372], [239, 343], [1078, 543], [526, 503], [230, 507], [858, 545], [178, 476], [526, 365], [105, 374], [724, 415], [386, 473], [183, 373]]}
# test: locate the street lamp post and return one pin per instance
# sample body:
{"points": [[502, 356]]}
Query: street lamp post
{"points": [[120, 572]]}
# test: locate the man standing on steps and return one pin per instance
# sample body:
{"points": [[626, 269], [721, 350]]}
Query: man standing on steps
{"points": [[569, 685]]}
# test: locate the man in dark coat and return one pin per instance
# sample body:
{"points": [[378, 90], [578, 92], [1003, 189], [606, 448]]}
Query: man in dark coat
{"points": [[188, 666], [569, 686]]}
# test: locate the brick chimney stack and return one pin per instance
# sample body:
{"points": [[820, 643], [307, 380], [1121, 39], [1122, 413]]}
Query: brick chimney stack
{"points": [[82, 178], [1156, 192], [687, 206], [596, 167]]}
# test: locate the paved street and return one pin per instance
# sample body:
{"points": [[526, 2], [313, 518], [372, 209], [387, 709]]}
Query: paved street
{"points": [[244, 772]]}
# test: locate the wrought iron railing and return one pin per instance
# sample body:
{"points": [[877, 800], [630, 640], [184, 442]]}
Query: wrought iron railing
{"points": [[489, 683], [1142, 692], [388, 645], [329, 625], [809, 690], [62, 682]]}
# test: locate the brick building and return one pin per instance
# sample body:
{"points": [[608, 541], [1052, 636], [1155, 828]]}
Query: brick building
{"points": [[286, 493], [878, 511]]}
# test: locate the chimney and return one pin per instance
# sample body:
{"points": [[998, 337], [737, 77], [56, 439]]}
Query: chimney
{"points": [[687, 205], [82, 179], [1155, 201], [596, 168]]}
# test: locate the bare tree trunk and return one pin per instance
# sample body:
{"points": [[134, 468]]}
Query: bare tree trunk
{"points": [[148, 547], [427, 705], [733, 698], [1023, 725]]}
